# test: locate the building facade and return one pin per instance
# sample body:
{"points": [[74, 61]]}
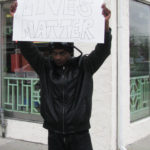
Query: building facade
{"points": [[121, 98]]}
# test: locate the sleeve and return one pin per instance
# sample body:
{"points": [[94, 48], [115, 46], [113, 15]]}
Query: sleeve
{"points": [[32, 55], [95, 59]]}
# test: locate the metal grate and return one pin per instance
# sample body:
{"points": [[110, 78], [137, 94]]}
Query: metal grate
{"points": [[140, 97], [22, 95]]}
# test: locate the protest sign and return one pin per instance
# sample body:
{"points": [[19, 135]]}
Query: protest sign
{"points": [[59, 21]]}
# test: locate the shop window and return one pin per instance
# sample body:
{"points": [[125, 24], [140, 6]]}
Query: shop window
{"points": [[139, 60], [21, 87]]}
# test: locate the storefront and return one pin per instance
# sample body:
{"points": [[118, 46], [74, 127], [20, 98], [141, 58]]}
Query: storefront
{"points": [[121, 107], [133, 71], [20, 92], [20, 84]]}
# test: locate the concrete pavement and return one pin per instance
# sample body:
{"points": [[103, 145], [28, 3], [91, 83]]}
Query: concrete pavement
{"points": [[143, 144], [11, 144]]}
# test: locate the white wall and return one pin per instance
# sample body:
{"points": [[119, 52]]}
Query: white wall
{"points": [[27, 131], [104, 104], [123, 71], [101, 116], [138, 130]]}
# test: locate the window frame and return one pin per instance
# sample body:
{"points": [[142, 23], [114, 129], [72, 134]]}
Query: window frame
{"points": [[134, 116]]}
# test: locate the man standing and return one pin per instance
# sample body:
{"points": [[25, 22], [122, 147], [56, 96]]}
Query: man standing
{"points": [[66, 88]]}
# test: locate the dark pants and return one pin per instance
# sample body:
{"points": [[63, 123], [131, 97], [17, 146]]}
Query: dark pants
{"points": [[76, 141]]}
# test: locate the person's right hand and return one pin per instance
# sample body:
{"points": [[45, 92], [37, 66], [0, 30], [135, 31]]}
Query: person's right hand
{"points": [[13, 7]]}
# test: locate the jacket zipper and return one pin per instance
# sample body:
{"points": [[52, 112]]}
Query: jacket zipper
{"points": [[63, 102]]}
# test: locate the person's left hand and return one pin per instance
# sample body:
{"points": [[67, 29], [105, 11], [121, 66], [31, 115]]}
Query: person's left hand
{"points": [[107, 14]]}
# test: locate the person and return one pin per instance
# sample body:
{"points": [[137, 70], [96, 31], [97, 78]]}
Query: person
{"points": [[66, 88]]}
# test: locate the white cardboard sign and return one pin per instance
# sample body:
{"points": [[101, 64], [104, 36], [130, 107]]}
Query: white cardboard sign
{"points": [[59, 21]]}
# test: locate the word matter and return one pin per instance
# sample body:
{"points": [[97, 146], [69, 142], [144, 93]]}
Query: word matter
{"points": [[54, 29]]}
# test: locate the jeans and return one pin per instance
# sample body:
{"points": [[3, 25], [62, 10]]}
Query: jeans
{"points": [[75, 141]]}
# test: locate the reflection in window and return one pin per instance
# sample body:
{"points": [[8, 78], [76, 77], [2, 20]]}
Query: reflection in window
{"points": [[21, 90], [139, 60]]}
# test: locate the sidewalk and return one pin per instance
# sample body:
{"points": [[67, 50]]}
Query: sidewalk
{"points": [[143, 144], [11, 144]]}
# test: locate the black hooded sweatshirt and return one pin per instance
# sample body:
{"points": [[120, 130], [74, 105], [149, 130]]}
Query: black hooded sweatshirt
{"points": [[66, 91]]}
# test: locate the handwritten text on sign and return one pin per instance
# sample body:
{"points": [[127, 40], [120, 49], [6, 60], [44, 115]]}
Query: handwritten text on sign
{"points": [[59, 20]]}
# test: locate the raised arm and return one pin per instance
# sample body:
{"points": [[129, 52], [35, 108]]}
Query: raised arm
{"points": [[33, 56], [96, 58]]}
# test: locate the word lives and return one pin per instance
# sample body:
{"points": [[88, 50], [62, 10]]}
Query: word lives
{"points": [[83, 8]]}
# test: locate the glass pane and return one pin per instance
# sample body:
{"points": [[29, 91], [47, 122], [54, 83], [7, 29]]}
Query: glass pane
{"points": [[139, 60], [21, 96]]}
